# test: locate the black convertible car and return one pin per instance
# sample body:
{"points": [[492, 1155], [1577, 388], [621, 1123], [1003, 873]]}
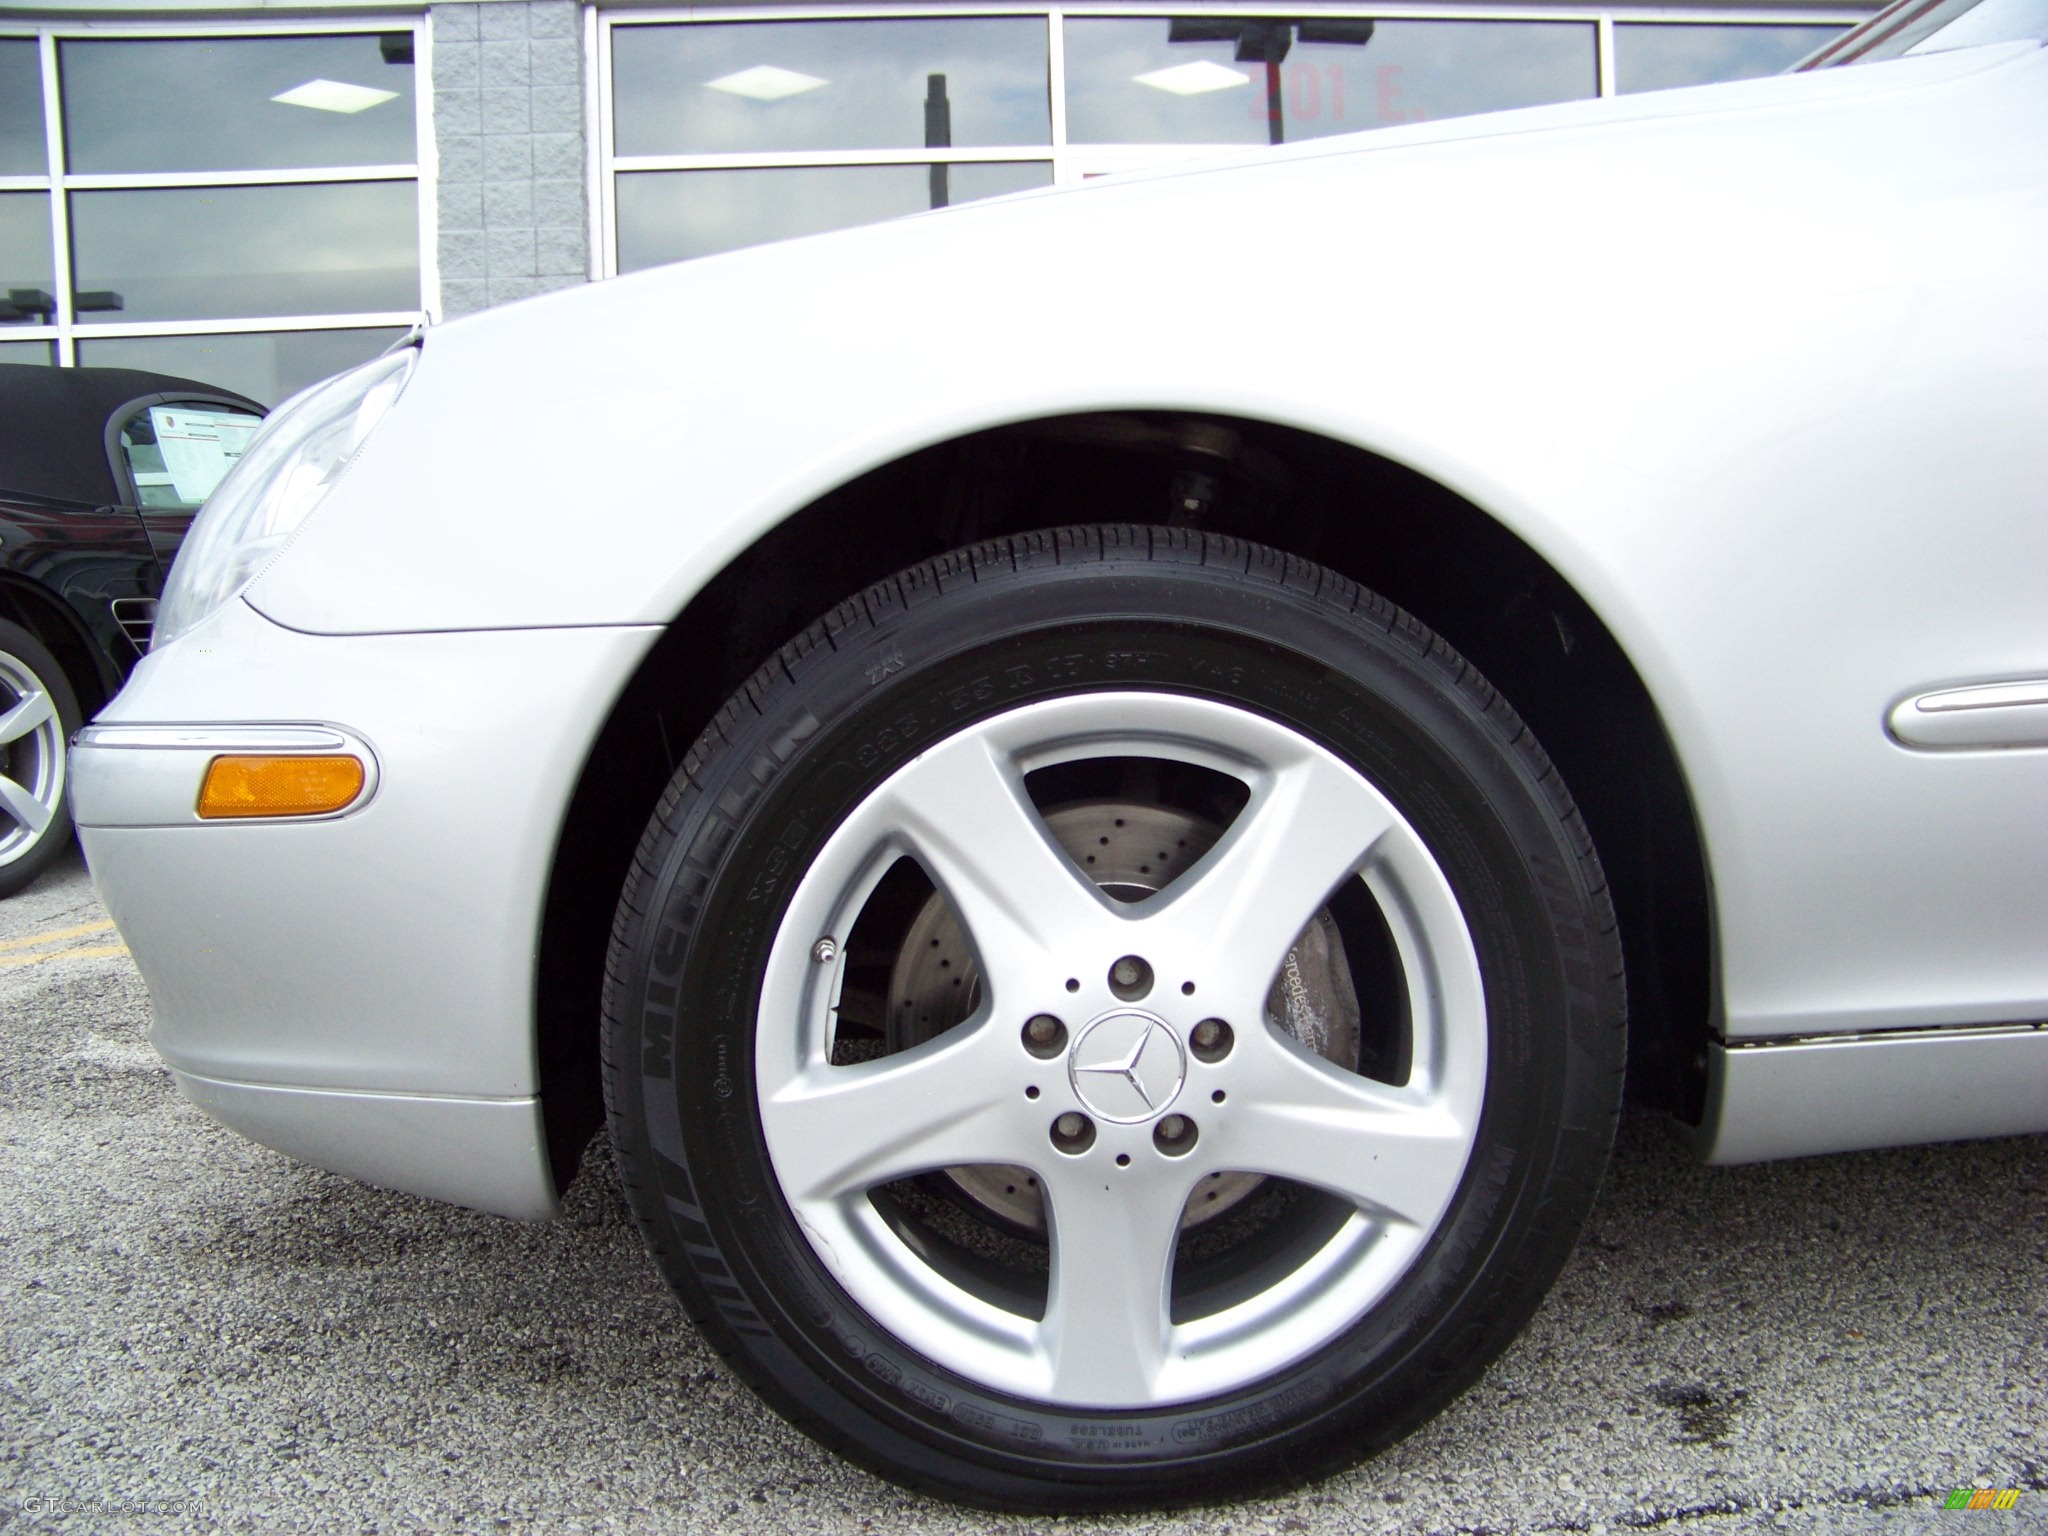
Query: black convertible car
{"points": [[101, 470]]}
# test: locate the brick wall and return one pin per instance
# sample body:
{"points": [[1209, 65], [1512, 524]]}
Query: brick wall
{"points": [[508, 119]]}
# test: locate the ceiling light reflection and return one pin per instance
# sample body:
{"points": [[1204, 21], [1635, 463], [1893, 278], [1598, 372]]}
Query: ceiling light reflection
{"points": [[765, 82], [1194, 79], [334, 96]]}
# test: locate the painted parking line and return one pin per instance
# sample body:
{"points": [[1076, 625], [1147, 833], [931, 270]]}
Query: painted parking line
{"points": [[37, 940], [82, 952]]}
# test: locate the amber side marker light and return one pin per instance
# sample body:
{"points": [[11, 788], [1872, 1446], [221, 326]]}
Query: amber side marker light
{"points": [[300, 785]]}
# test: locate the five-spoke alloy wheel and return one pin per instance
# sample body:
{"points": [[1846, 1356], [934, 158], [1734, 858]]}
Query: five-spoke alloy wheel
{"points": [[37, 718], [1112, 1016]]}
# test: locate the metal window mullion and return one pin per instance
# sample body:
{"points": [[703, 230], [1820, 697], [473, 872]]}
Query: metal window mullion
{"points": [[604, 153], [137, 181], [1469, 9], [1692, 15], [426, 169], [128, 27], [768, 160], [1056, 82], [60, 209], [243, 325], [813, 12], [1605, 49], [1412, 10]]}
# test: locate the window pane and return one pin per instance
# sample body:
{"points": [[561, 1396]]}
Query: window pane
{"points": [[206, 253], [27, 352], [210, 104], [1203, 80], [177, 454], [270, 366], [672, 215], [22, 151], [751, 86], [28, 278], [1656, 58]]}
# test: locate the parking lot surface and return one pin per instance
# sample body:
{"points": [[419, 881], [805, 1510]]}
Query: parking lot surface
{"points": [[201, 1334]]}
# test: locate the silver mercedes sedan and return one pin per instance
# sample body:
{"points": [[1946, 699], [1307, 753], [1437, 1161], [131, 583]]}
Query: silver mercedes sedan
{"points": [[1107, 791]]}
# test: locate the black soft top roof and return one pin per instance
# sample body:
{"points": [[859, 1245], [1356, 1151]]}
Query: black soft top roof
{"points": [[53, 424]]}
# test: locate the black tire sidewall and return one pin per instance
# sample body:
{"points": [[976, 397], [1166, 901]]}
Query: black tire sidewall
{"points": [[17, 642], [1377, 690]]}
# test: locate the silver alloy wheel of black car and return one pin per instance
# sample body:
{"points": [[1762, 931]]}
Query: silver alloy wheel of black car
{"points": [[37, 717], [1112, 1016]]}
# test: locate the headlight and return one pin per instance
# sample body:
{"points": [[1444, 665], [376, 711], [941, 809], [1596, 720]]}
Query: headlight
{"points": [[294, 461]]}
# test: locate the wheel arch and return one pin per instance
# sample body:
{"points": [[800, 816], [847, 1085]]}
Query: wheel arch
{"points": [[1422, 545], [93, 678]]}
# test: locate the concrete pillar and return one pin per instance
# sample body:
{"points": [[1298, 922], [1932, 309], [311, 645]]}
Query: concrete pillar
{"points": [[507, 81]]}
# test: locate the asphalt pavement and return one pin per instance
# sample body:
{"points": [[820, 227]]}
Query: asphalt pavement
{"points": [[203, 1335]]}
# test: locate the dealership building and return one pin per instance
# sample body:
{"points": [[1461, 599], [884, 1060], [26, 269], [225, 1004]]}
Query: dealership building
{"points": [[259, 196]]}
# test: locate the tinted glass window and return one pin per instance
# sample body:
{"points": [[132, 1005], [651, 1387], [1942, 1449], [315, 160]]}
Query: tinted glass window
{"points": [[270, 366], [28, 282], [229, 104], [1203, 80], [178, 453], [756, 86], [218, 252], [22, 151], [1656, 58], [27, 352], [671, 215]]}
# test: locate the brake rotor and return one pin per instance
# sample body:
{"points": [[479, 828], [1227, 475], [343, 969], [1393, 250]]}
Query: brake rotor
{"points": [[1131, 851]]}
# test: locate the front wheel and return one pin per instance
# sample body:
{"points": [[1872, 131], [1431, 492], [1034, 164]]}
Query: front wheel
{"points": [[38, 714], [1111, 1017]]}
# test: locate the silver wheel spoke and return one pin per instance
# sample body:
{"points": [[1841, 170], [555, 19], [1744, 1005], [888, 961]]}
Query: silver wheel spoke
{"points": [[1296, 1116], [33, 711], [963, 808], [842, 1130], [1106, 1325], [24, 807], [1255, 891]]}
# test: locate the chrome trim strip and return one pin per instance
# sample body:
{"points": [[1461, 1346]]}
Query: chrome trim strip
{"points": [[149, 775], [216, 738], [1775, 1099], [1907, 1032], [1983, 715]]}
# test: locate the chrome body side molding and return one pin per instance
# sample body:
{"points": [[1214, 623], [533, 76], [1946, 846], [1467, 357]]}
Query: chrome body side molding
{"points": [[1800, 1097], [1988, 715]]}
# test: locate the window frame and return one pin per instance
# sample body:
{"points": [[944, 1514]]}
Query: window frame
{"points": [[117, 423], [1071, 163], [57, 183]]}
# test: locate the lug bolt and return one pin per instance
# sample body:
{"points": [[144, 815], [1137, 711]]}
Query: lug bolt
{"points": [[1130, 978], [1044, 1036], [1073, 1133], [1210, 1040], [1174, 1135], [825, 951]]}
